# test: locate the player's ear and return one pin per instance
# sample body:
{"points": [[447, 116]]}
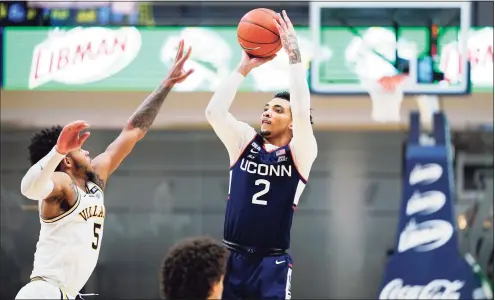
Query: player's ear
{"points": [[290, 126], [216, 290], [67, 162]]}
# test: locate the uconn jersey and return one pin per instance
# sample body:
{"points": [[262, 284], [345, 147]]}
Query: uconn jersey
{"points": [[265, 187]]}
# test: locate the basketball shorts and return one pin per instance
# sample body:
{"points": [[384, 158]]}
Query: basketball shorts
{"points": [[41, 290], [250, 277]]}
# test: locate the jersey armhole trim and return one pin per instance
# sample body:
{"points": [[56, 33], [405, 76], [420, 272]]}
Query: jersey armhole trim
{"points": [[68, 212], [243, 149], [303, 178], [63, 294]]}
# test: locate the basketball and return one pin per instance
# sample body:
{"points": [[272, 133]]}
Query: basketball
{"points": [[257, 34]]}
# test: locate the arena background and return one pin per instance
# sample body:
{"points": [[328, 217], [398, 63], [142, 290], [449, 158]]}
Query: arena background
{"points": [[175, 182]]}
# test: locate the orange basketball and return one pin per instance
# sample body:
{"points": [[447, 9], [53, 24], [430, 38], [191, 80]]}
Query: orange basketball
{"points": [[257, 34]]}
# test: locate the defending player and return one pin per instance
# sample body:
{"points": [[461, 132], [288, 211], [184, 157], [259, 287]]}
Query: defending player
{"points": [[267, 176], [194, 269], [69, 187]]}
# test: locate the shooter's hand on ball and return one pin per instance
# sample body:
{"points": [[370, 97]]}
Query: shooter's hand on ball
{"points": [[177, 74], [248, 63], [288, 37]]}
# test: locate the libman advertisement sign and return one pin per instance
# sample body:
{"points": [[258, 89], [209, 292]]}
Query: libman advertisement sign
{"points": [[127, 58]]}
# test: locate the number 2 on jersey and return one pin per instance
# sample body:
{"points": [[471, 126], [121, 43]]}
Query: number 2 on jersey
{"points": [[265, 190], [96, 233]]}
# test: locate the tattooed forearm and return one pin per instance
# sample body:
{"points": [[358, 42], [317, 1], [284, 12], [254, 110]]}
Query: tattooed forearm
{"points": [[294, 56], [145, 115], [290, 44]]}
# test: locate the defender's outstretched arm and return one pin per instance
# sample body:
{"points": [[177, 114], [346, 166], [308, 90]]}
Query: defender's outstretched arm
{"points": [[136, 128], [140, 122]]}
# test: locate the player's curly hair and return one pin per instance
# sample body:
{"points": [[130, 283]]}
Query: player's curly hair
{"points": [[286, 96], [192, 267], [43, 142]]}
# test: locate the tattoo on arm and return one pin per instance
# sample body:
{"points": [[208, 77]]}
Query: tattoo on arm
{"points": [[295, 56], [290, 43], [145, 115]]}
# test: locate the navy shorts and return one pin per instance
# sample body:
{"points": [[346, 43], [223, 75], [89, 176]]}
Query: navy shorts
{"points": [[257, 277]]}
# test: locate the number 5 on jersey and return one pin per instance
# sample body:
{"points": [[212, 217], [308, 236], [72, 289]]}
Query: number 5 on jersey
{"points": [[96, 233]]}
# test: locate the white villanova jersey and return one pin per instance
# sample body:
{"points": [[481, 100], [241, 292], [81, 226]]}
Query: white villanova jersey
{"points": [[69, 245]]}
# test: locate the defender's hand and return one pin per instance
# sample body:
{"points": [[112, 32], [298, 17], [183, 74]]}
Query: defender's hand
{"points": [[70, 137], [248, 62], [177, 74], [288, 36]]}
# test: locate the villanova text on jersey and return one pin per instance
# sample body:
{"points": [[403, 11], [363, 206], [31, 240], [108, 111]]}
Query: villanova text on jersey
{"points": [[264, 190]]}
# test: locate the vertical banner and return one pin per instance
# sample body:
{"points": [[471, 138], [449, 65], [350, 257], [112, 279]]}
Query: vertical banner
{"points": [[1, 57], [427, 263]]}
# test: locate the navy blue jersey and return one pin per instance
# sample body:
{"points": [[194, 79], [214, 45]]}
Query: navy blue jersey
{"points": [[264, 190]]}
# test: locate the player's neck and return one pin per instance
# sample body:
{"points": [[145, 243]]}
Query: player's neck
{"points": [[278, 141], [80, 181]]}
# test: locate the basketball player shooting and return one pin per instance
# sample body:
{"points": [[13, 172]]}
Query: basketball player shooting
{"points": [[69, 187], [267, 176]]}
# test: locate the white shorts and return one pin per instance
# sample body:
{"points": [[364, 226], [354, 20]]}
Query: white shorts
{"points": [[41, 290]]}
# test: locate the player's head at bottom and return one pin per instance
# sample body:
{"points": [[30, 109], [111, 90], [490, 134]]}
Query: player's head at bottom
{"points": [[194, 269], [276, 119], [76, 162]]}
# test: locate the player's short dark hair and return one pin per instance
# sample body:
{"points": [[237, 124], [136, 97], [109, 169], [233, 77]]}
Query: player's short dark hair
{"points": [[283, 95], [286, 96], [43, 142], [192, 267]]}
